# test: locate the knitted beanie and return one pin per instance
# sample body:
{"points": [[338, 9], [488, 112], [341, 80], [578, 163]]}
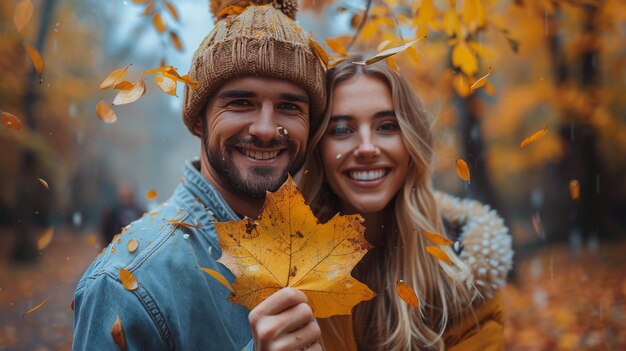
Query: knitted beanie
{"points": [[254, 38]]}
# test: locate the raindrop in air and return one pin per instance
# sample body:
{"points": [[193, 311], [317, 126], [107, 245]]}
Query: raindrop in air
{"points": [[338, 156]]}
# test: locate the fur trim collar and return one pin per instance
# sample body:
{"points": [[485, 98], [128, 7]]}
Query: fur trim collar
{"points": [[484, 243]]}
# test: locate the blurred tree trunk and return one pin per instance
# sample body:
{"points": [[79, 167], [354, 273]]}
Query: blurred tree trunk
{"points": [[33, 206]]}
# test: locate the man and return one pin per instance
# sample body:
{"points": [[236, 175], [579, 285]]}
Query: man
{"points": [[261, 90]]}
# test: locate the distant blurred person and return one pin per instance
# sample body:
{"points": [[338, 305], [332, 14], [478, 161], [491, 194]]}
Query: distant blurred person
{"points": [[123, 211]]}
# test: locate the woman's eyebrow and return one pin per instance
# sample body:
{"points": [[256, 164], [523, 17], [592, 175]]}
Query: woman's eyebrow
{"points": [[385, 113], [340, 118]]}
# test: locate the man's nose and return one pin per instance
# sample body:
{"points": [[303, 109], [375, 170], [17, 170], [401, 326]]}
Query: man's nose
{"points": [[264, 126]]}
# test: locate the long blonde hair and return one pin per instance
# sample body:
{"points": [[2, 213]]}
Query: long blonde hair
{"points": [[444, 291]]}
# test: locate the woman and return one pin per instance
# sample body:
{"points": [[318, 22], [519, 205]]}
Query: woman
{"points": [[373, 156]]}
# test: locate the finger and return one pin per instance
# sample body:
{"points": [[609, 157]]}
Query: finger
{"points": [[303, 338], [279, 301], [270, 328]]}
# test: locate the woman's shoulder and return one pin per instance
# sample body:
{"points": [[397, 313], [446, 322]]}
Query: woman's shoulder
{"points": [[482, 240]]}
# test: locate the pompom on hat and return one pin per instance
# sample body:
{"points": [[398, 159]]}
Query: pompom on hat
{"points": [[254, 38]]}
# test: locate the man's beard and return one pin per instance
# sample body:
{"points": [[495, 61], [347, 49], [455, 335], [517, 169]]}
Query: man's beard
{"points": [[257, 180]]}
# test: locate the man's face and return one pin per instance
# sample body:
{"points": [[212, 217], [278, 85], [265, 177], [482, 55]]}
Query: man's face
{"points": [[256, 133]]}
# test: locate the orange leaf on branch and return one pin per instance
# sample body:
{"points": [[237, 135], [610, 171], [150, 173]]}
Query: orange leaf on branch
{"points": [[157, 20], [480, 82], [288, 247], [319, 51], [172, 9], [337, 46], [176, 41]]}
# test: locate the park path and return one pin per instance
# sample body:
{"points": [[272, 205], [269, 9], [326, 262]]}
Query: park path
{"points": [[563, 299]]}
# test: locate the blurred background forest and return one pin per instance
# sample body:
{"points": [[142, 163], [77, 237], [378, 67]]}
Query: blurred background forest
{"points": [[553, 65]]}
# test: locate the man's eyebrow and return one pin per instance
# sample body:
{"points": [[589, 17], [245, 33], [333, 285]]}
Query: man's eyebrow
{"points": [[295, 97], [237, 94]]}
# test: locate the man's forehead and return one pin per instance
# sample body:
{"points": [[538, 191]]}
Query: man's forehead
{"points": [[257, 84]]}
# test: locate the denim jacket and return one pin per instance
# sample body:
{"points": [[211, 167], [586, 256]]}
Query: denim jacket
{"points": [[176, 306]]}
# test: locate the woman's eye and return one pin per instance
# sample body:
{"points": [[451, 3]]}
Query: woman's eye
{"points": [[388, 127], [339, 130]]}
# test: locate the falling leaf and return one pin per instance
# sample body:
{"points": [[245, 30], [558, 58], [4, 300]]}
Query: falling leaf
{"points": [[10, 121], [128, 279], [36, 307], [35, 58], [462, 170], [127, 96], [288, 247], [533, 138], [387, 53], [114, 77], [158, 23], [22, 14], [92, 240], [45, 238], [105, 112], [117, 332], [480, 82], [220, 278], [166, 85], [172, 10], [132, 245], [176, 41], [383, 45], [463, 58], [44, 183], [182, 224], [230, 10], [437, 238], [319, 51], [574, 189], [148, 10], [152, 194], [438, 253], [407, 294], [337, 46], [123, 85]]}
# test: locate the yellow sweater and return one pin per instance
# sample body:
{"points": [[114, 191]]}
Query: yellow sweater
{"points": [[481, 330]]}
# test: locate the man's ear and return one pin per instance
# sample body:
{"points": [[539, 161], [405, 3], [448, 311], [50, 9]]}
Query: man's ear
{"points": [[197, 128]]}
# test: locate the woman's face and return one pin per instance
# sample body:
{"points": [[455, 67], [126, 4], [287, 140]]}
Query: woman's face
{"points": [[364, 156]]}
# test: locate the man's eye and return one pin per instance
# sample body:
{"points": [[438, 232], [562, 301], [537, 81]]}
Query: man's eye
{"points": [[288, 106], [388, 127], [339, 130], [239, 103]]}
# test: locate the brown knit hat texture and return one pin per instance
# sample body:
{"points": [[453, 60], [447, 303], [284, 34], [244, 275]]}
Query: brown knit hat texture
{"points": [[254, 38]]}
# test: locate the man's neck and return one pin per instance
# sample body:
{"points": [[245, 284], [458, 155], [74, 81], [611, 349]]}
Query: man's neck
{"points": [[243, 206]]}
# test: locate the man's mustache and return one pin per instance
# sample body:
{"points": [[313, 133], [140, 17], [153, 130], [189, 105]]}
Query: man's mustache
{"points": [[254, 142]]}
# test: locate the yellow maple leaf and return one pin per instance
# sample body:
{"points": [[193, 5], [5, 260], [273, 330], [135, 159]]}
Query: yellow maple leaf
{"points": [[288, 247]]}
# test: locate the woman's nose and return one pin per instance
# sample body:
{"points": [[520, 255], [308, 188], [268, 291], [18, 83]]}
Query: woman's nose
{"points": [[367, 147]]}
